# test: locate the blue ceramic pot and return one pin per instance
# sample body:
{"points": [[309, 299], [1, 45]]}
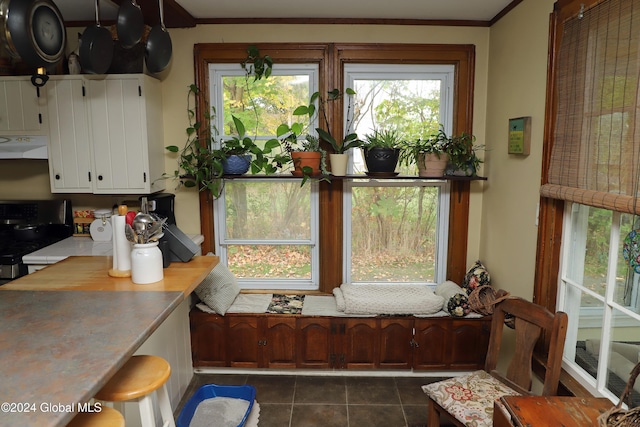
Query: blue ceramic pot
{"points": [[236, 164]]}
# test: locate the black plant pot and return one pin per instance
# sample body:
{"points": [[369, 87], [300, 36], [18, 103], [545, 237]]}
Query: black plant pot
{"points": [[381, 160]]}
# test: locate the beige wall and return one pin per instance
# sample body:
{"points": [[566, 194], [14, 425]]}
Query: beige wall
{"points": [[516, 84]]}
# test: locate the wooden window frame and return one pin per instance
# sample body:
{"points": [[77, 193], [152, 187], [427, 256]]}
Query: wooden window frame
{"points": [[331, 59]]}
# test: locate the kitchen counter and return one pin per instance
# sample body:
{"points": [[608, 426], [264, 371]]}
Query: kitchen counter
{"points": [[89, 273], [66, 329], [77, 246]]}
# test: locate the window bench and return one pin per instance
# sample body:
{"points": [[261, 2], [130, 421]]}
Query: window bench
{"points": [[321, 337]]}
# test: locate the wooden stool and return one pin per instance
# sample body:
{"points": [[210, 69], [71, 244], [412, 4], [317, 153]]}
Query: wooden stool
{"points": [[107, 417], [137, 380]]}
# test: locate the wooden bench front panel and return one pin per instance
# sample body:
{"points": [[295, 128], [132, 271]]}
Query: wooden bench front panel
{"points": [[316, 342]]}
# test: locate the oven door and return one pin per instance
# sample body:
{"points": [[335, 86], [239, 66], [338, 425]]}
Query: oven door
{"points": [[10, 272]]}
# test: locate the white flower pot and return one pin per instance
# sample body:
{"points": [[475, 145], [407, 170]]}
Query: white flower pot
{"points": [[339, 164]]}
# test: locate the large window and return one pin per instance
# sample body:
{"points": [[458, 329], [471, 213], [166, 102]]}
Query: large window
{"points": [[599, 291], [395, 231], [255, 216], [267, 230], [591, 197]]}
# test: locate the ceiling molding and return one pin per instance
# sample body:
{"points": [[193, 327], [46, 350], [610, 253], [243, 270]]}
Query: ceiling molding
{"points": [[343, 21]]}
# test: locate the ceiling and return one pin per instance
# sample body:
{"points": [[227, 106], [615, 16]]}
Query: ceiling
{"points": [[188, 13]]}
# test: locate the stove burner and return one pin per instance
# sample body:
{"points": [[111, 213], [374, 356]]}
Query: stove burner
{"points": [[56, 215]]}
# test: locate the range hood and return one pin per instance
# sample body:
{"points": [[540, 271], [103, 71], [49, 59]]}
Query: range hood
{"points": [[23, 147]]}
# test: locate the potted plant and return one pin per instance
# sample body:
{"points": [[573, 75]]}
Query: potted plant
{"points": [[381, 151], [202, 161], [239, 151], [202, 165], [429, 154], [463, 159], [339, 158]]}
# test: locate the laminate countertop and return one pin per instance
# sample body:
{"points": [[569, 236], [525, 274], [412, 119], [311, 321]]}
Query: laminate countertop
{"points": [[66, 329]]}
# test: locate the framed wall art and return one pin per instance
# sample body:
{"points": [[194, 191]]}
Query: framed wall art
{"points": [[520, 135]]}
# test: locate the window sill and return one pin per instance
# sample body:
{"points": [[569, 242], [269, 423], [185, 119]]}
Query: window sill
{"points": [[347, 177]]}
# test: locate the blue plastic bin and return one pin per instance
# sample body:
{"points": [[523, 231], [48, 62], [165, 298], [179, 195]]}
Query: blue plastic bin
{"points": [[245, 392]]}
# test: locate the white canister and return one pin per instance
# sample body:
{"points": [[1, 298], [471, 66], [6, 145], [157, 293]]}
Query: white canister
{"points": [[146, 263], [100, 228]]}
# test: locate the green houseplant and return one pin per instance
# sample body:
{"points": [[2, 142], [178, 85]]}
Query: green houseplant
{"points": [[202, 165], [203, 161], [429, 154], [382, 150], [339, 157], [463, 158]]}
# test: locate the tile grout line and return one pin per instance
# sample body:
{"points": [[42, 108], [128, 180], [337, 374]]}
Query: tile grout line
{"points": [[346, 401], [293, 400]]}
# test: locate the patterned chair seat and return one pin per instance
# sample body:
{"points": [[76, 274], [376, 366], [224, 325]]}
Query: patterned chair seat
{"points": [[469, 398]]}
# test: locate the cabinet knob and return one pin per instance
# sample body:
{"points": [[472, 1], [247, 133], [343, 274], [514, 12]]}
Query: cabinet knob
{"points": [[99, 177], [57, 176]]}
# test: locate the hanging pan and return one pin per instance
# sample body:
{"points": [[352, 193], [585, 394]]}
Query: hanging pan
{"points": [[33, 30], [130, 24], [158, 49], [96, 47]]}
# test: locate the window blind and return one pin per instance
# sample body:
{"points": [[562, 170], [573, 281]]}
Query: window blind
{"points": [[596, 141]]}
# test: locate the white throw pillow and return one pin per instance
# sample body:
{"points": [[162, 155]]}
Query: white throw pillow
{"points": [[219, 289]]}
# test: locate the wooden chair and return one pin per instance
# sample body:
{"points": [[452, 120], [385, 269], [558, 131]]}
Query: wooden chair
{"points": [[468, 400]]}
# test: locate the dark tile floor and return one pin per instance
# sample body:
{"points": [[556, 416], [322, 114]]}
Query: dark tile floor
{"points": [[327, 401]]}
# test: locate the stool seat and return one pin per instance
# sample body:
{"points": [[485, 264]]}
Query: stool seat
{"points": [[107, 417], [138, 377]]}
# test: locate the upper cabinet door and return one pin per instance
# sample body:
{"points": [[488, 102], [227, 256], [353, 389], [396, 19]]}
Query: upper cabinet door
{"points": [[118, 137], [69, 140], [21, 107], [120, 123]]}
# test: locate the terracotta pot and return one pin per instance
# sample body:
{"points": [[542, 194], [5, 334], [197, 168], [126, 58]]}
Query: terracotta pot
{"points": [[339, 164], [430, 165], [303, 159]]}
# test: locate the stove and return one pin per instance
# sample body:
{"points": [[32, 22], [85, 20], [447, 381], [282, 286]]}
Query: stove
{"points": [[52, 219]]}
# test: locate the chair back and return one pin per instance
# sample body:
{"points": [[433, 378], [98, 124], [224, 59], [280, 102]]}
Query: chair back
{"points": [[531, 322]]}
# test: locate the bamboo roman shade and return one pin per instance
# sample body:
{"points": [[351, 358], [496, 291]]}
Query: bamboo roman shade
{"points": [[595, 157]]}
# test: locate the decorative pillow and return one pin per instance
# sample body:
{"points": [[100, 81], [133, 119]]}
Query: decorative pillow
{"points": [[476, 276], [219, 289], [458, 305], [455, 298]]}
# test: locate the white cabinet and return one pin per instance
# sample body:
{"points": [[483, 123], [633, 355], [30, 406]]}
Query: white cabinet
{"points": [[69, 141], [126, 132], [106, 134], [21, 107]]}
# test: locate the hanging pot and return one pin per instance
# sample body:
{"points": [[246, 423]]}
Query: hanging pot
{"points": [[130, 24], [158, 50], [96, 47], [33, 30]]}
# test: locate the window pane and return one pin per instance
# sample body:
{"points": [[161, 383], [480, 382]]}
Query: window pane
{"points": [[588, 313], [270, 261], [268, 102], [411, 107], [627, 290], [393, 235], [589, 253], [268, 210], [624, 352]]}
